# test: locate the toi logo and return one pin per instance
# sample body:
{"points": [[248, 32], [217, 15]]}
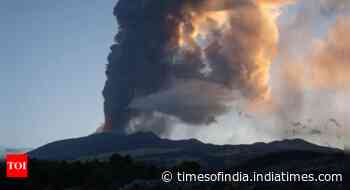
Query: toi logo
{"points": [[17, 166]]}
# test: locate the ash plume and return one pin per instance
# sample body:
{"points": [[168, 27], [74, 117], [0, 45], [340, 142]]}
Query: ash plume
{"points": [[186, 60], [200, 62], [311, 79]]}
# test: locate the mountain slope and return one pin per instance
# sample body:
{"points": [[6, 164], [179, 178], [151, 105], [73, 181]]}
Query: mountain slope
{"points": [[148, 147]]}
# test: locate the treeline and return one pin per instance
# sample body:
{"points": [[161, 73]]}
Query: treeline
{"points": [[124, 173], [100, 175]]}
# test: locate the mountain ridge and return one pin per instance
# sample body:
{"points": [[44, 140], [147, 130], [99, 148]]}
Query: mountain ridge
{"points": [[150, 148]]}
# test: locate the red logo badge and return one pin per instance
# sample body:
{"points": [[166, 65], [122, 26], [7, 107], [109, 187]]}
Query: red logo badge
{"points": [[16, 166]]}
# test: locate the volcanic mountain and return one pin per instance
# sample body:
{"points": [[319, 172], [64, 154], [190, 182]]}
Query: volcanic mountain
{"points": [[152, 149]]}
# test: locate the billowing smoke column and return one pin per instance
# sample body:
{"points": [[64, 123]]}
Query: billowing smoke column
{"points": [[186, 60], [137, 64]]}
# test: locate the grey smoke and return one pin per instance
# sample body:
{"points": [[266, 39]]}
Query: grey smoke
{"points": [[149, 73]]}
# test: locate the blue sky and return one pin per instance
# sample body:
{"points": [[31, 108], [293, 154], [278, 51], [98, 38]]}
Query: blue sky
{"points": [[52, 62]]}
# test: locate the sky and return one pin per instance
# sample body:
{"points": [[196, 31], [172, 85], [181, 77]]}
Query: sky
{"points": [[52, 63], [52, 68]]}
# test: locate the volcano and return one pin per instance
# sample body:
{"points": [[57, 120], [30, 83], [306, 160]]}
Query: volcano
{"points": [[150, 148]]}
